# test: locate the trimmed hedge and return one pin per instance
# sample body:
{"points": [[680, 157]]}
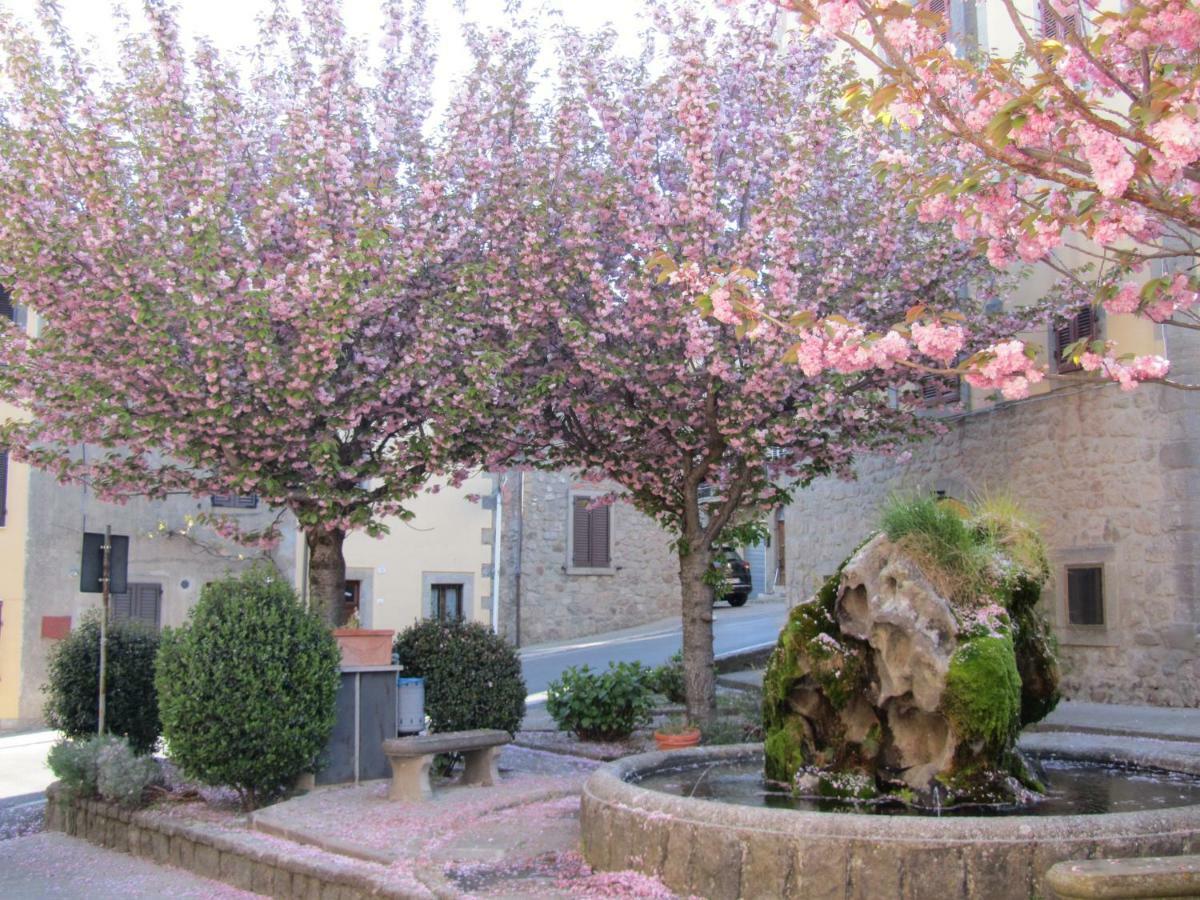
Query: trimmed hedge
{"points": [[247, 687], [472, 677], [73, 686]]}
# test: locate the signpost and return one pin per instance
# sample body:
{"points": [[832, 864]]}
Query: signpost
{"points": [[105, 576]]}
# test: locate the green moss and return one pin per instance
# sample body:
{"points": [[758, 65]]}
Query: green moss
{"points": [[784, 752], [983, 691]]}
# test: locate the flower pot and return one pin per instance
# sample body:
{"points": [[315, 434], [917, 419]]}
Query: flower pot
{"points": [[689, 738], [364, 646]]}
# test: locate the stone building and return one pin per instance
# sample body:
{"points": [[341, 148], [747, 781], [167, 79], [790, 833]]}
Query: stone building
{"points": [[1113, 481]]}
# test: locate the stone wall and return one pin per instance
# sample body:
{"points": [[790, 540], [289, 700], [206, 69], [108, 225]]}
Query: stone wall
{"points": [[1112, 478], [543, 599]]}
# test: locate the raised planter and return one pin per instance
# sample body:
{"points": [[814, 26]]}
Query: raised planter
{"points": [[723, 850], [364, 646], [677, 741]]}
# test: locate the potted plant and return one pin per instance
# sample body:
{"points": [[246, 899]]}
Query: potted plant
{"points": [[677, 734], [363, 646]]}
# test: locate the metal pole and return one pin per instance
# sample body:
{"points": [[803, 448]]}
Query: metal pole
{"points": [[105, 574]]}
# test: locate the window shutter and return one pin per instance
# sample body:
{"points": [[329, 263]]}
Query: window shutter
{"points": [[7, 311], [3, 487], [940, 8], [146, 602], [598, 543], [580, 547], [1055, 28], [937, 391], [122, 605], [1082, 325]]}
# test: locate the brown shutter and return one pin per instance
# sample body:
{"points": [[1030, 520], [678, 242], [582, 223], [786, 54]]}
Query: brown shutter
{"points": [[939, 8], [598, 551], [121, 605], [1082, 325], [6, 306], [3, 486], [146, 600], [580, 532]]}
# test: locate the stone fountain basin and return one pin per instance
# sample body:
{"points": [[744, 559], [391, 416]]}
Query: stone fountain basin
{"points": [[723, 850]]}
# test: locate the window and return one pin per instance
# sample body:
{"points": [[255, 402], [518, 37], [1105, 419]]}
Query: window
{"points": [[937, 391], [235, 501], [447, 602], [3, 487], [7, 310], [1085, 595], [940, 9], [1082, 325], [1054, 26], [590, 532], [141, 603], [351, 596]]}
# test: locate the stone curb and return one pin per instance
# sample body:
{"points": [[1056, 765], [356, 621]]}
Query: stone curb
{"points": [[210, 852], [720, 850], [755, 657]]}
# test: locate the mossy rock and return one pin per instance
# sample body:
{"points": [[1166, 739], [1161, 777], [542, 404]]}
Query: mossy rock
{"points": [[983, 691], [784, 751]]}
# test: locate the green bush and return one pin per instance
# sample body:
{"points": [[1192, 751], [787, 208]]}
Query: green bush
{"points": [[472, 677], [73, 686], [600, 706], [105, 767], [667, 679], [247, 687]]}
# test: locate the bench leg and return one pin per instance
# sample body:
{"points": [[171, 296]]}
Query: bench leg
{"points": [[410, 778], [480, 767]]}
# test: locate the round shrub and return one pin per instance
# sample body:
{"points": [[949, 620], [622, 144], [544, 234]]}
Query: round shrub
{"points": [[247, 687], [472, 677], [73, 687], [600, 706], [667, 679]]}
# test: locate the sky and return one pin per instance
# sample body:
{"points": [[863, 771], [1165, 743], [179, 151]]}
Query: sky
{"points": [[230, 24]]}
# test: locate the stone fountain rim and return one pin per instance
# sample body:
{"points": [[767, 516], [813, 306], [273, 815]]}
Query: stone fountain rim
{"points": [[609, 785]]}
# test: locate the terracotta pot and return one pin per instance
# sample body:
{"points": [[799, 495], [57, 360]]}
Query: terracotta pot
{"points": [[689, 738], [364, 646]]}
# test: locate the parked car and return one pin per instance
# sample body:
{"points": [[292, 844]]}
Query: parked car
{"points": [[737, 576]]}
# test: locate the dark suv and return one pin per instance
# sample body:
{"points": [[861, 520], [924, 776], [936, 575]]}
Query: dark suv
{"points": [[737, 575]]}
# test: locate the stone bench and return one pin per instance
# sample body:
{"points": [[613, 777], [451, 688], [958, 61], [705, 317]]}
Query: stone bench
{"points": [[411, 758], [1151, 876]]}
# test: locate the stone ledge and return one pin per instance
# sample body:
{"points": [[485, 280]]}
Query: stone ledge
{"points": [[1155, 876], [212, 853]]}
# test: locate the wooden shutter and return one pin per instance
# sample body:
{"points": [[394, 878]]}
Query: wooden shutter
{"points": [[598, 536], [590, 534], [147, 600], [1082, 325], [937, 391], [7, 311], [940, 8], [3, 486], [1055, 28], [121, 605]]}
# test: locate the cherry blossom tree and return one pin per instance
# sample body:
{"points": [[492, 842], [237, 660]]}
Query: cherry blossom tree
{"points": [[246, 280], [678, 190], [1087, 138]]}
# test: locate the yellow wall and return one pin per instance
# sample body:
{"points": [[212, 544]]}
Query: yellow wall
{"points": [[12, 586], [446, 535]]}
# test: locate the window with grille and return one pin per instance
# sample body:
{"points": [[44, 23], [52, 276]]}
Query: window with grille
{"points": [[937, 392], [1085, 595], [235, 501], [1082, 325], [1056, 27], [590, 534]]}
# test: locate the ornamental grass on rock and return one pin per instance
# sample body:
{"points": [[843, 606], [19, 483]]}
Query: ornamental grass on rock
{"points": [[910, 674], [247, 687]]}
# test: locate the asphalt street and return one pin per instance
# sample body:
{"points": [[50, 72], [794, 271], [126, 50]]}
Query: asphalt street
{"points": [[738, 629]]}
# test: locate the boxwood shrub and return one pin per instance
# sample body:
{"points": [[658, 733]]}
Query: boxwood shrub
{"points": [[247, 687], [73, 684], [472, 677]]}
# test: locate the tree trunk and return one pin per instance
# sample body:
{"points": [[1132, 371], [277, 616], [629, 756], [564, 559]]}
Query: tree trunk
{"points": [[699, 678], [326, 572]]}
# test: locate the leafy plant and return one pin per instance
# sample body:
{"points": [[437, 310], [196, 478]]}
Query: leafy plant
{"points": [[247, 687], [600, 706], [667, 679], [73, 683], [105, 766], [472, 676], [676, 725]]}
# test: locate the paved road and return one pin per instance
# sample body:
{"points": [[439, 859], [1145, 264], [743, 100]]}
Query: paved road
{"points": [[23, 777], [734, 629]]}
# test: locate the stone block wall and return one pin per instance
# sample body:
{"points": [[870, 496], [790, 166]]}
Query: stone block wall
{"points": [[542, 599], [1112, 478]]}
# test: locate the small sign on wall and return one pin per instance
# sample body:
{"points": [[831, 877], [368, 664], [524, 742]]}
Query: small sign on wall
{"points": [[56, 627]]}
